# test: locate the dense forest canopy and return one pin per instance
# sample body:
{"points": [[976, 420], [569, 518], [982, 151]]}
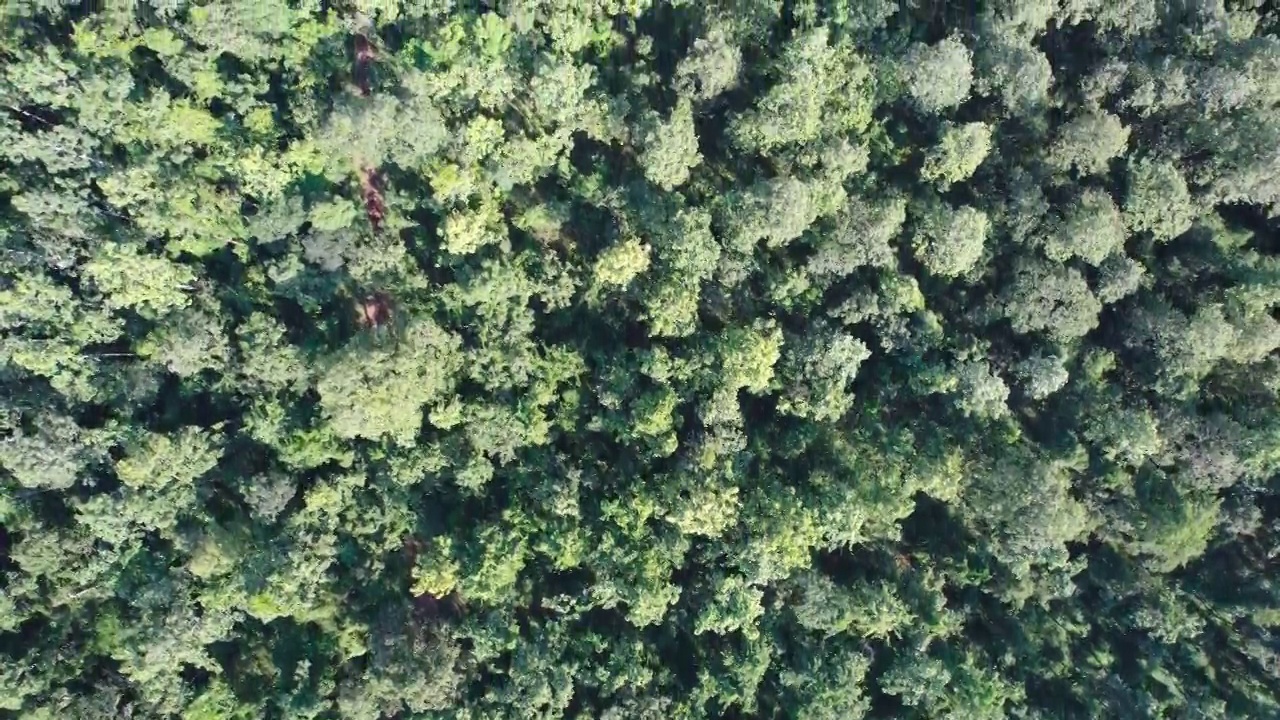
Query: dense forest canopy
{"points": [[639, 359]]}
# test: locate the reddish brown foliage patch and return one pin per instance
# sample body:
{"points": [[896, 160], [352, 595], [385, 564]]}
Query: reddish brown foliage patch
{"points": [[429, 607], [374, 311], [363, 71], [375, 208]]}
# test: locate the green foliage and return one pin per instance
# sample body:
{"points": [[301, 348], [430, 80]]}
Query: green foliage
{"points": [[711, 67], [189, 342], [862, 234], [621, 263], [1158, 201], [918, 680], [818, 374], [687, 254], [865, 610], [670, 149], [735, 606], [1043, 376], [980, 392], [939, 76], [1091, 229], [52, 455], [1088, 143], [829, 687], [821, 91], [162, 460], [949, 241], [639, 359], [958, 154], [379, 391], [1019, 74], [777, 211], [132, 279], [1052, 299], [1174, 526]]}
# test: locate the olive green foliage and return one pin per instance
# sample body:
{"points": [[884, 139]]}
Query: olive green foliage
{"points": [[1087, 143], [643, 360], [939, 76], [670, 149], [958, 154], [948, 240], [1091, 228]]}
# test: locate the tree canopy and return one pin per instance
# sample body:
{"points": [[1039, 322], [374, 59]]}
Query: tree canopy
{"points": [[642, 359]]}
